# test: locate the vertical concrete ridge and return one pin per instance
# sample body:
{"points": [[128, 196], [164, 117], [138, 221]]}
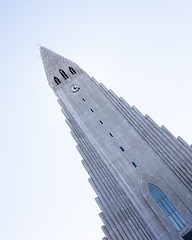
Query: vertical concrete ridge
{"points": [[175, 145], [101, 177], [185, 144], [106, 232], [108, 221], [158, 137], [104, 192], [104, 179], [113, 216], [107, 225], [153, 134], [108, 209], [186, 148]]}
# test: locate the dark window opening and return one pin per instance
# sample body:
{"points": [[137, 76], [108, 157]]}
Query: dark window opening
{"points": [[72, 70], [63, 74], [57, 81], [171, 212], [111, 134], [134, 164], [83, 99], [188, 236], [122, 149], [101, 122], [92, 110]]}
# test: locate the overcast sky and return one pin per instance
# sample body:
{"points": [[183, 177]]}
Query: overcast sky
{"points": [[142, 50]]}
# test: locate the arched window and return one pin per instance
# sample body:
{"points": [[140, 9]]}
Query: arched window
{"points": [[167, 207], [57, 81], [72, 70], [63, 74]]}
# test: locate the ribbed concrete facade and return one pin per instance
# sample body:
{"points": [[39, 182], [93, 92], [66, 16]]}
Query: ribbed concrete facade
{"points": [[128, 157]]}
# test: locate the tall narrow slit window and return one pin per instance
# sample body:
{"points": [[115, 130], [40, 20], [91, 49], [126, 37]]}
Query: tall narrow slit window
{"points": [[57, 81], [72, 70], [167, 207], [134, 164], [122, 149], [63, 74]]}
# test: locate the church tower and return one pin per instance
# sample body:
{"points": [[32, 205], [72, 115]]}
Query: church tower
{"points": [[141, 173]]}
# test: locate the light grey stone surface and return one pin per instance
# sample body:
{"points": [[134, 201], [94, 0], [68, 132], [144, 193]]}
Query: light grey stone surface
{"points": [[128, 209]]}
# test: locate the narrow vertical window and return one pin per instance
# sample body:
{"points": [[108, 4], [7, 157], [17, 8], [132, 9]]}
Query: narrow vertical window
{"points": [[134, 164], [167, 207], [63, 74], [110, 134], [72, 70], [122, 149], [57, 81], [101, 122]]}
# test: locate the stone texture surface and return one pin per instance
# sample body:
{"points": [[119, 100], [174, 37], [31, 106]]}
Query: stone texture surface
{"points": [[128, 210]]}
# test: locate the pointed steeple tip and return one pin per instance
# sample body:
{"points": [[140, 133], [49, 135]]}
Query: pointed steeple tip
{"points": [[44, 50], [49, 54], [42, 47], [53, 62]]}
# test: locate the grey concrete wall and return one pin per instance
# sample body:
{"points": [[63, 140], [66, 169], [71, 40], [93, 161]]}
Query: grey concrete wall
{"points": [[128, 210]]}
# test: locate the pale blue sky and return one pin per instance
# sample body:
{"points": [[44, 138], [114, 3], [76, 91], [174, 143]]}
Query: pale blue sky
{"points": [[140, 49]]}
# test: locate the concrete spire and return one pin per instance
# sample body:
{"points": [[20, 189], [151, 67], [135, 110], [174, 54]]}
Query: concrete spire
{"points": [[121, 178]]}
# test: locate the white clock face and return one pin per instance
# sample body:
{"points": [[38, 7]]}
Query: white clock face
{"points": [[75, 88]]}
